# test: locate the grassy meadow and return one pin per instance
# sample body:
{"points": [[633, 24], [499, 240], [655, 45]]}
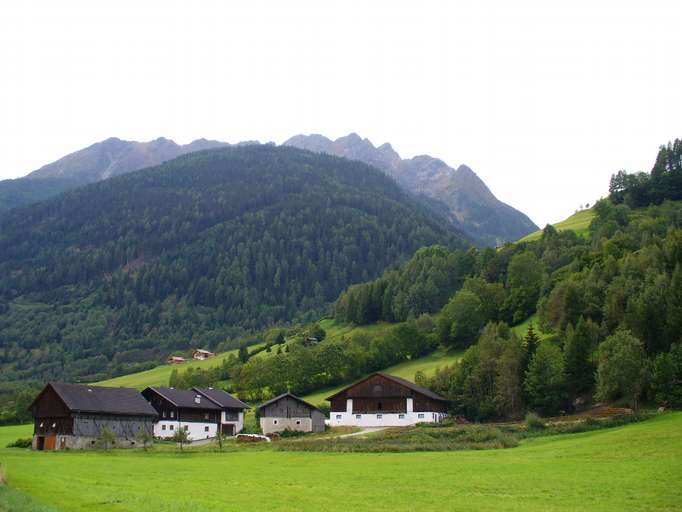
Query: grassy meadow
{"points": [[637, 467], [578, 222]]}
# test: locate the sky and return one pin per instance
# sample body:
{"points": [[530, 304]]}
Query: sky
{"points": [[544, 100]]}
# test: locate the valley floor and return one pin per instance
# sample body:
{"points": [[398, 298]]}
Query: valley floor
{"points": [[630, 468]]}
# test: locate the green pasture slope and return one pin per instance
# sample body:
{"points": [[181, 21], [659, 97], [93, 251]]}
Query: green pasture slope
{"points": [[637, 467], [159, 376], [578, 222]]}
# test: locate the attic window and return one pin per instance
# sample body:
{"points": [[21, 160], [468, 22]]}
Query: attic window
{"points": [[197, 399], [54, 425], [41, 425], [377, 388]]}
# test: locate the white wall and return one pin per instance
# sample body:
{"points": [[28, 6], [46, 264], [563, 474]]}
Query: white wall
{"points": [[238, 425], [196, 430], [269, 425], [337, 419]]}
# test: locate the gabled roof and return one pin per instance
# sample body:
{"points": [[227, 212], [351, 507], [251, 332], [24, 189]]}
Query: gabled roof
{"points": [[185, 398], [284, 395], [222, 398], [102, 400], [411, 385]]}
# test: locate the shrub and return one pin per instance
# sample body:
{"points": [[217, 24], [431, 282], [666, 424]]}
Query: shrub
{"points": [[25, 442], [534, 422], [291, 433]]}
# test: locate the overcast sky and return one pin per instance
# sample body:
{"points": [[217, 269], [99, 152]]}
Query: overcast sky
{"points": [[543, 102]]}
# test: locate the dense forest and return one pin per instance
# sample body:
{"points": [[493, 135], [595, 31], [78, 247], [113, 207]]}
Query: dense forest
{"points": [[213, 244], [607, 312]]}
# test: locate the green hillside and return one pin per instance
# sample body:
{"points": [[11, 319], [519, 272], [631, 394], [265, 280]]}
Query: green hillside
{"points": [[159, 376], [578, 222], [196, 251], [637, 467]]}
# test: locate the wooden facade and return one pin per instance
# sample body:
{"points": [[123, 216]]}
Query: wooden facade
{"points": [[380, 393], [287, 411], [69, 416]]}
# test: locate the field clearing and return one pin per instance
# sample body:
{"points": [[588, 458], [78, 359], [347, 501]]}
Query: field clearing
{"points": [[159, 376], [578, 222], [637, 467]]}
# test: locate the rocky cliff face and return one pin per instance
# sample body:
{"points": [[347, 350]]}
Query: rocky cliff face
{"points": [[114, 156], [458, 193]]}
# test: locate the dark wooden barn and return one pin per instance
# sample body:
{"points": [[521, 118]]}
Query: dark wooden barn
{"points": [[290, 412], [73, 416], [383, 400]]}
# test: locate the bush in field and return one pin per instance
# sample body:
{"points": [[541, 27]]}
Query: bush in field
{"points": [[21, 443], [534, 422]]}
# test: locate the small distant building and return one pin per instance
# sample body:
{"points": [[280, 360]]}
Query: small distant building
{"points": [[73, 416], [232, 415], [201, 354], [383, 400], [183, 409], [176, 360], [288, 411]]}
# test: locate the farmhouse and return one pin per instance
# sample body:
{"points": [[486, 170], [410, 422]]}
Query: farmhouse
{"points": [[183, 409], [287, 411], [232, 415], [201, 354], [73, 416], [382, 400], [176, 360]]}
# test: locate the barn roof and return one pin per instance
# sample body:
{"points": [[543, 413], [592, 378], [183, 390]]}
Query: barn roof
{"points": [[185, 398], [411, 385], [284, 395], [222, 398], [98, 399]]}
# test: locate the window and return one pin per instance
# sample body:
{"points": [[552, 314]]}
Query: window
{"points": [[298, 422], [163, 414], [205, 416], [358, 416], [274, 422], [420, 416], [171, 427], [338, 416], [163, 427], [206, 428], [401, 416], [186, 427], [379, 406], [172, 414], [379, 416], [41, 425]]}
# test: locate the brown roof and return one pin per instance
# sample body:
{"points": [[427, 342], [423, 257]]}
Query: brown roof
{"points": [[103, 400], [411, 385]]}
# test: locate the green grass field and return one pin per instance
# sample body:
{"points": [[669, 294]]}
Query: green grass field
{"points": [[578, 222], [637, 467]]}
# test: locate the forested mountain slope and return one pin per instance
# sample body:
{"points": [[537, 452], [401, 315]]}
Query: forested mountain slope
{"points": [[457, 193], [119, 273]]}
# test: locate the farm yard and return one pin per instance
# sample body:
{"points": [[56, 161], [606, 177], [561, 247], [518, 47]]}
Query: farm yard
{"points": [[632, 467]]}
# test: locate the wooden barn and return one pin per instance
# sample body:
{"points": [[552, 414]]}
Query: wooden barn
{"points": [[288, 411], [73, 416], [184, 409], [383, 400], [232, 415]]}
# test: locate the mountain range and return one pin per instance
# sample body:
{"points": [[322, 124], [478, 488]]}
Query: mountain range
{"points": [[457, 194]]}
